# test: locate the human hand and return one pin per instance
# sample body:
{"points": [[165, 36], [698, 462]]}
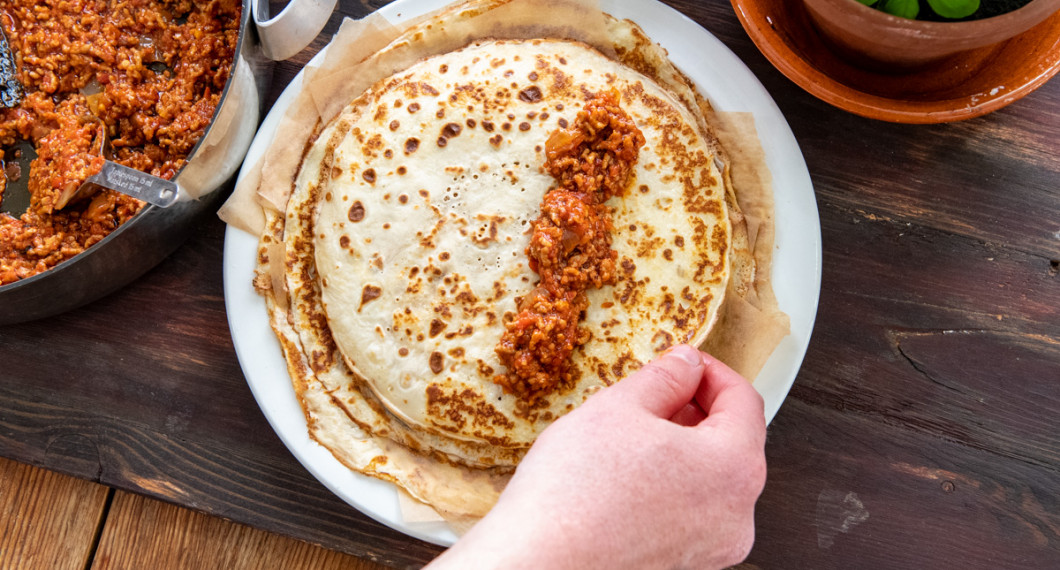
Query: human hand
{"points": [[661, 470]]}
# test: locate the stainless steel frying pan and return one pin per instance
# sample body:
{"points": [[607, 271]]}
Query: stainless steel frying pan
{"points": [[151, 235]]}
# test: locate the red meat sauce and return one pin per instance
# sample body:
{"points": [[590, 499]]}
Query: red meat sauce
{"points": [[570, 247], [142, 76]]}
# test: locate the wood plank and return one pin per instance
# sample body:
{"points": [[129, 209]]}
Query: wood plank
{"points": [[146, 533], [270, 492], [845, 491], [47, 520], [960, 341]]}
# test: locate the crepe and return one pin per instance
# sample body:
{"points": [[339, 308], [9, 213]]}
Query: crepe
{"points": [[361, 329], [430, 184]]}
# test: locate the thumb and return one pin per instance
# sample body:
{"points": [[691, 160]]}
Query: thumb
{"points": [[665, 385]]}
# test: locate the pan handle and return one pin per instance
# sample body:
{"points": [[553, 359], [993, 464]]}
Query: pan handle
{"points": [[290, 31]]}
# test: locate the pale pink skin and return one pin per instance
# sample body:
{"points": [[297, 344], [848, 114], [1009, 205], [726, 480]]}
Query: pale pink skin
{"points": [[661, 470]]}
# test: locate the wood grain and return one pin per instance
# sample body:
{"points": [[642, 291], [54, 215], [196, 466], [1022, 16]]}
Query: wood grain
{"points": [[145, 533], [920, 432], [47, 520]]}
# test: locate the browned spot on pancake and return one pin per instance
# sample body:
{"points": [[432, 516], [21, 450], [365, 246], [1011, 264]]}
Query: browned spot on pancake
{"points": [[524, 126], [662, 340], [440, 113], [506, 126], [471, 123], [496, 140], [372, 146], [437, 363], [356, 213], [469, 299], [401, 170], [451, 130], [531, 94], [344, 242], [404, 198], [625, 364], [679, 241], [487, 126], [442, 141], [457, 352], [413, 107], [667, 304], [465, 407], [369, 294], [437, 326], [532, 76], [369, 176], [403, 351], [411, 145], [719, 239], [562, 122], [466, 331], [668, 254], [487, 232], [443, 68], [335, 172], [394, 125]]}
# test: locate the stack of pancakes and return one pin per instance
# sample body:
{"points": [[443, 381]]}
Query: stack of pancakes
{"points": [[404, 254]]}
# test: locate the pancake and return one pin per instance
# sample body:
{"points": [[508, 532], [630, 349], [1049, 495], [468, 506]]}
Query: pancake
{"points": [[401, 258], [428, 185], [308, 344]]}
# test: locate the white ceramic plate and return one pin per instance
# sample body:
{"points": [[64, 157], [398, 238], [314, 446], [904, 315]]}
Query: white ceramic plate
{"points": [[729, 85]]}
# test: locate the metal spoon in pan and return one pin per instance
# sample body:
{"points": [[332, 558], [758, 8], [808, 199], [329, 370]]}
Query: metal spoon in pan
{"points": [[139, 185]]}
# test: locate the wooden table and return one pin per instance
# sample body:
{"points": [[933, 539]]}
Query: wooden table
{"points": [[921, 431]]}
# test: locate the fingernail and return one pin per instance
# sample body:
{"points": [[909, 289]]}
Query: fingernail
{"points": [[686, 353]]}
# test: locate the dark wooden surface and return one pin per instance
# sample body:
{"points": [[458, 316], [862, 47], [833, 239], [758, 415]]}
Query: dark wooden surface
{"points": [[922, 430]]}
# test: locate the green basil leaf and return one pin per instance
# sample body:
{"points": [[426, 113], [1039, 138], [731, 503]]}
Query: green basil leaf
{"points": [[954, 8], [901, 8]]}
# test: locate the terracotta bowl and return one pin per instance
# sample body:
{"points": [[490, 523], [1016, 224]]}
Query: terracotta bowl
{"points": [[876, 39], [954, 80]]}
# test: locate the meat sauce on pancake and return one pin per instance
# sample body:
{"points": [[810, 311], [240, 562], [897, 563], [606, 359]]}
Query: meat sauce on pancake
{"points": [[570, 247]]}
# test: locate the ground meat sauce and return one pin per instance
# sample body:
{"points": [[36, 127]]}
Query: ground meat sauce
{"points": [[570, 246], [140, 76]]}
